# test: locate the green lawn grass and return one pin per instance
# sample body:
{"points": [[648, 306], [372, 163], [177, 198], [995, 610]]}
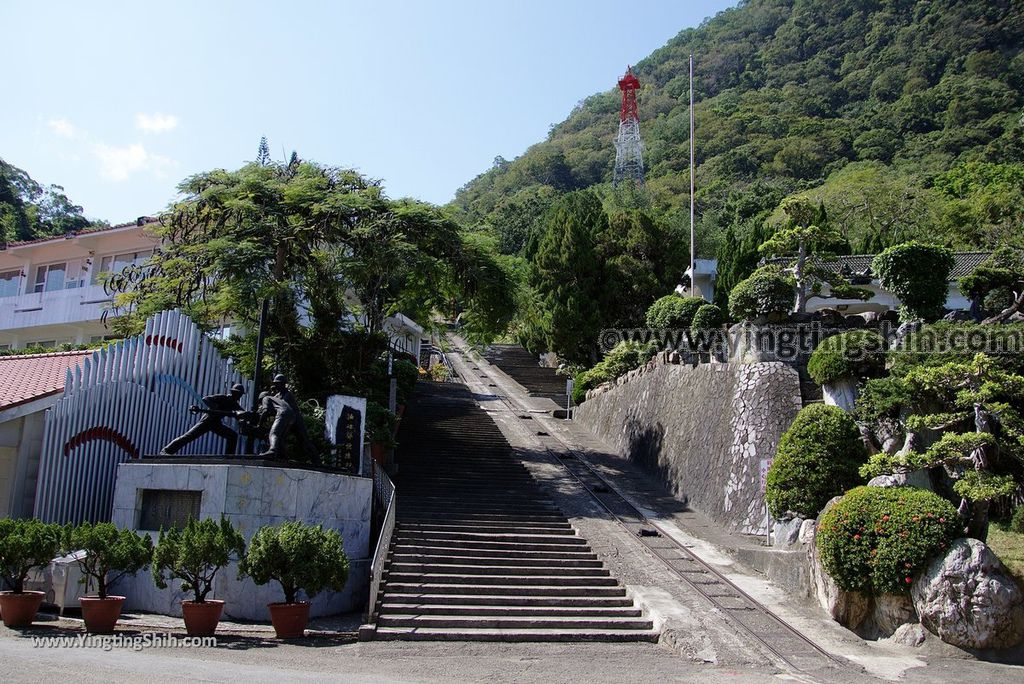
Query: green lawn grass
{"points": [[1009, 546]]}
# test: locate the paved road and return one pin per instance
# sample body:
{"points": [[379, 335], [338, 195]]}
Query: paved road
{"points": [[257, 660]]}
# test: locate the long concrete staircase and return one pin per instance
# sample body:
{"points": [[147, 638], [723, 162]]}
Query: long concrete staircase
{"points": [[480, 552], [524, 368]]}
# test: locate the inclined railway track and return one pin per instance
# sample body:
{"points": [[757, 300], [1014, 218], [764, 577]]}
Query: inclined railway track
{"points": [[782, 642]]}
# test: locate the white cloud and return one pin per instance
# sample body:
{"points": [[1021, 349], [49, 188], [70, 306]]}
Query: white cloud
{"points": [[118, 163], [156, 123], [62, 127]]}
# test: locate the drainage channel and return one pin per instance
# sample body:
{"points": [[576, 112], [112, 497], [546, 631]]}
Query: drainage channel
{"points": [[786, 644]]}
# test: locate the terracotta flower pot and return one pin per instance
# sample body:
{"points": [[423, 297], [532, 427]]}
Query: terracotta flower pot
{"points": [[19, 610], [201, 618], [289, 619], [101, 615]]}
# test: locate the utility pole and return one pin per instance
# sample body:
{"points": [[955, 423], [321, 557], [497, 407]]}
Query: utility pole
{"points": [[693, 235]]}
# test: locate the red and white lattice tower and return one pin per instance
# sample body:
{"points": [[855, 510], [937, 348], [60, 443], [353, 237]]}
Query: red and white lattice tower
{"points": [[629, 148]]}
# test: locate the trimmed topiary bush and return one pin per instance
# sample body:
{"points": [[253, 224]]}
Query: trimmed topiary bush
{"points": [[818, 458], [918, 275], [854, 354], [623, 358], [768, 291], [673, 312], [708, 317], [877, 539]]}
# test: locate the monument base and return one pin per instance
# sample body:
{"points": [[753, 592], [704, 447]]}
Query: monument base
{"points": [[154, 493]]}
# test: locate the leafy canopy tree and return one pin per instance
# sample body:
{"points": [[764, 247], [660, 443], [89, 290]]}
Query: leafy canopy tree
{"points": [[24, 545], [306, 237], [29, 210], [802, 236]]}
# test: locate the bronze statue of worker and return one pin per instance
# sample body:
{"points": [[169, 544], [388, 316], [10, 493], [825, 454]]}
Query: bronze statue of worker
{"points": [[281, 403], [218, 407]]}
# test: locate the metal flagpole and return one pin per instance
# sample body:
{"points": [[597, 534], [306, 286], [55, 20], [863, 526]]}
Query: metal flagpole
{"points": [[693, 241]]}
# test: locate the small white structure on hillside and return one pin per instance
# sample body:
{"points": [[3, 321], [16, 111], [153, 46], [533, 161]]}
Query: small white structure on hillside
{"points": [[856, 268]]}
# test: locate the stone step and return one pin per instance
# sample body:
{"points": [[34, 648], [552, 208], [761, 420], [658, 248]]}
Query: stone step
{"points": [[395, 588], [487, 524], [551, 579], [514, 635], [521, 571], [493, 528], [448, 560], [458, 602], [489, 537], [512, 622], [488, 545], [442, 551], [433, 514], [414, 608]]}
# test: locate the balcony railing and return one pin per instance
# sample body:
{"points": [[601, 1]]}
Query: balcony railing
{"points": [[53, 308]]}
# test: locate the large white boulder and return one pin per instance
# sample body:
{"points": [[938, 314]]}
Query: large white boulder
{"points": [[968, 599]]}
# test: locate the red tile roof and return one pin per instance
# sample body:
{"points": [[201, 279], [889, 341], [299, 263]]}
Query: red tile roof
{"points": [[24, 378], [140, 222]]}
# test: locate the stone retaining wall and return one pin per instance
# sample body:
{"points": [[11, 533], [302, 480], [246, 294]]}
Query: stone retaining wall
{"points": [[702, 430]]}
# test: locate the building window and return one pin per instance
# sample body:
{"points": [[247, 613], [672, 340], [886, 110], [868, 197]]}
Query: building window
{"points": [[10, 283], [115, 263], [50, 277]]}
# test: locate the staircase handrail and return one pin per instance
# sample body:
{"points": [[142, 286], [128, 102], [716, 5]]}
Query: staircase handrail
{"points": [[384, 488]]}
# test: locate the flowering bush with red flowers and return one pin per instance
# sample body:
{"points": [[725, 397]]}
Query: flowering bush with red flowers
{"points": [[877, 539]]}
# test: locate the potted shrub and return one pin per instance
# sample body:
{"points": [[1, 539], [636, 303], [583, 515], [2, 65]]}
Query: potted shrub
{"points": [[108, 551], [299, 557], [380, 428], [24, 545], [194, 554]]}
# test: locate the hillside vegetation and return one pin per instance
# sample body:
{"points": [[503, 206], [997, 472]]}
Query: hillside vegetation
{"points": [[903, 119]]}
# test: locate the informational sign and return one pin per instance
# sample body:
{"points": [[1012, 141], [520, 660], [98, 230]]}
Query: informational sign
{"points": [[766, 463], [345, 424]]}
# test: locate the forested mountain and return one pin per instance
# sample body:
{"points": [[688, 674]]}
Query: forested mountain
{"points": [[29, 210], [903, 118]]}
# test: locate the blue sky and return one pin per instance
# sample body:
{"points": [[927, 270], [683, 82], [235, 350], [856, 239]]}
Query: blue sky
{"points": [[118, 101]]}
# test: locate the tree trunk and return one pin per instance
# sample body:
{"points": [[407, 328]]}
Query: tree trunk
{"points": [[842, 393], [798, 273], [1000, 317]]}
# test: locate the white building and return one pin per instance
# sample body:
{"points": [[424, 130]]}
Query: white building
{"points": [[856, 268], [51, 291]]}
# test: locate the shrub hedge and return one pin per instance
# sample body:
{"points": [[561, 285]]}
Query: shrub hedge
{"points": [[876, 540], [817, 458], [673, 312], [854, 354], [623, 358], [708, 317], [768, 290]]}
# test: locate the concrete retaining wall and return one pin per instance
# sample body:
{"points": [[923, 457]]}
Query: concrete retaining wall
{"points": [[251, 497], [702, 430]]}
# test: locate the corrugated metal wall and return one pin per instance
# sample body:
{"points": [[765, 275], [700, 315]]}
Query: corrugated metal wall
{"points": [[126, 400]]}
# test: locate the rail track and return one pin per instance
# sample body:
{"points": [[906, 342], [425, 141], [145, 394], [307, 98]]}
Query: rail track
{"points": [[780, 641]]}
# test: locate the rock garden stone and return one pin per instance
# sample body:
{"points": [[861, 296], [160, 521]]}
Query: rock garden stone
{"points": [[968, 599]]}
